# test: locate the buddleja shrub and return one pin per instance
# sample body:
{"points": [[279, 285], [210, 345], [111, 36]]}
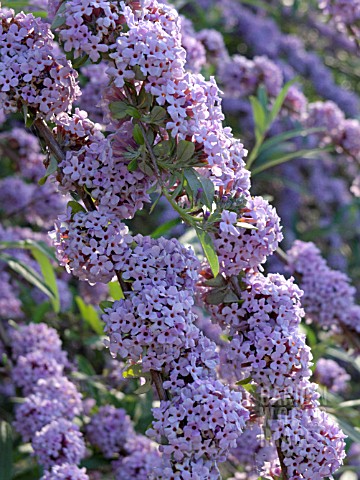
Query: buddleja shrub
{"points": [[161, 146]]}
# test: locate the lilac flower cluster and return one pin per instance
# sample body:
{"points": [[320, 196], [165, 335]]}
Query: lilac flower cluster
{"points": [[141, 460], [45, 417], [201, 422], [329, 299], [100, 165], [109, 430], [155, 321], [330, 374], [34, 74], [87, 244], [310, 441], [238, 247], [88, 27]]}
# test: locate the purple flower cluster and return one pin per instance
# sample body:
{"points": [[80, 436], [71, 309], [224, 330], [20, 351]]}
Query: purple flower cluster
{"points": [[100, 165], [52, 402], [87, 244], [238, 247], [311, 443], [34, 73], [109, 430], [328, 296], [141, 460], [330, 374], [88, 27], [202, 422], [65, 472], [155, 321]]}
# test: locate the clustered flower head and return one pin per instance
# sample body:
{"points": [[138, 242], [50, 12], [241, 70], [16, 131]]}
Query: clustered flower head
{"points": [[65, 471], [86, 243], [109, 429], [87, 27], [240, 247], [100, 165], [202, 422], [34, 74], [328, 299], [330, 374], [46, 416]]}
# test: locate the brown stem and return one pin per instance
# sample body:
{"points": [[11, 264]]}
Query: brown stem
{"points": [[157, 380], [282, 255], [284, 473]]}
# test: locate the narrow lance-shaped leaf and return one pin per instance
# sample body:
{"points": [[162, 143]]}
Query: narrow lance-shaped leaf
{"points": [[279, 101], [28, 273], [209, 250], [260, 119], [49, 276], [90, 315]]}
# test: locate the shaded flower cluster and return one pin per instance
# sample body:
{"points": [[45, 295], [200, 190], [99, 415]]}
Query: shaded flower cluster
{"points": [[52, 402], [34, 74]]}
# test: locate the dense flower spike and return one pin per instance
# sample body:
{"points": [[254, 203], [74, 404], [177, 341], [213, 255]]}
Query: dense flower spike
{"points": [[200, 424], [65, 472], [312, 444], [59, 442], [52, 398], [87, 242], [328, 295], [240, 247], [109, 429], [35, 75], [141, 460], [330, 374]]}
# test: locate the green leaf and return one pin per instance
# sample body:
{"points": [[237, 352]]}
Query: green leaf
{"points": [[48, 273], [279, 101], [348, 429], [184, 151], [209, 250], [282, 137], [133, 112], [157, 115], [289, 156], [216, 296], [28, 273], [138, 136], [260, 117], [246, 381], [105, 304], [6, 447], [75, 207], [90, 315], [116, 291], [133, 165], [263, 97], [146, 387], [60, 18], [133, 371], [119, 109], [201, 187], [165, 228], [85, 366], [51, 169]]}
